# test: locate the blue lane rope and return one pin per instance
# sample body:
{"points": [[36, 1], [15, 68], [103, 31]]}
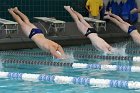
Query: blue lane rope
{"points": [[75, 65], [72, 80]]}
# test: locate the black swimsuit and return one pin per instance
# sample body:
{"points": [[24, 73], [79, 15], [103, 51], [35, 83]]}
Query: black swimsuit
{"points": [[89, 31]]}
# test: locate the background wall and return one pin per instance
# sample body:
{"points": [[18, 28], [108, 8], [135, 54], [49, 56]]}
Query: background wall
{"points": [[47, 8]]}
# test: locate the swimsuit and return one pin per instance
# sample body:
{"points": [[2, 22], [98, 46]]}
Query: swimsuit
{"points": [[131, 28], [89, 31], [35, 31]]}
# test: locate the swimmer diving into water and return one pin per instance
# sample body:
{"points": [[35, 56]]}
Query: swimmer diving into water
{"points": [[36, 34], [126, 27], [88, 31]]}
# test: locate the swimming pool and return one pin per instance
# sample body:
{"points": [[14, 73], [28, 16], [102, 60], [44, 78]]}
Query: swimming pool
{"points": [[87, 70]]}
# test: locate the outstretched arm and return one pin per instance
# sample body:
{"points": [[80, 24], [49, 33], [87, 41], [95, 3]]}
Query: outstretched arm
{"points": [[83, 27], [38, 38], [126, 27]]}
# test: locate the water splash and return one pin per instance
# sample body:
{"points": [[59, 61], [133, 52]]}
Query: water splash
{"points": [[68, 57], [118, 51]]}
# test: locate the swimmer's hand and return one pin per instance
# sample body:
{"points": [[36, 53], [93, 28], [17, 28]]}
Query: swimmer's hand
{"points": [[99, 43], [56, 50], [63, 56]]}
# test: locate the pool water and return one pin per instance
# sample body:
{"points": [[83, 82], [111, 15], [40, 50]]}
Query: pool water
{"points": [[9, 85]]}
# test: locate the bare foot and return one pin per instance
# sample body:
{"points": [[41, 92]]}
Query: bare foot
{"points": [[68, 8], [10, 10], [15, 9]]}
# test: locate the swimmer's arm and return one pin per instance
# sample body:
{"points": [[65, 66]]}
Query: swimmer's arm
{"points": [[135, 36]]}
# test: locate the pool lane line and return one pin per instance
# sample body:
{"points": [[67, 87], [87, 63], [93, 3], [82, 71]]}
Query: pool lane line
{"points": [[75, 65], [77, 56], [72, 80], [133, 52]]}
